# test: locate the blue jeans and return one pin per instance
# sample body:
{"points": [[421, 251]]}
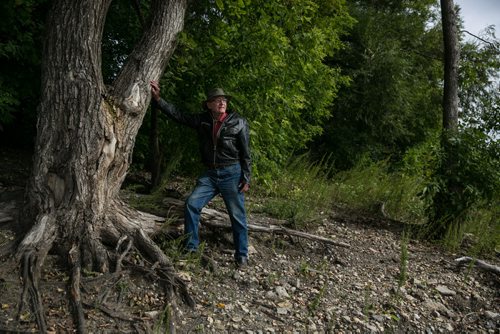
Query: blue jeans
{"points": [[224, 181]]}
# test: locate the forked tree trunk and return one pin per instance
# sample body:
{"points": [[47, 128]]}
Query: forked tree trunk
{"points": [[85, 138]]}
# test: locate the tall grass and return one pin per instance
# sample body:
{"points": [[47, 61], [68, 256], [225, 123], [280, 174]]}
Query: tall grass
{"points": [[300, 194], [483, 223], [372, 188], [306, 191]]}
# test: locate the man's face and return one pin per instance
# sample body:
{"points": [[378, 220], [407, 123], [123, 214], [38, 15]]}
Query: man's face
{"points": [[218, 105]]}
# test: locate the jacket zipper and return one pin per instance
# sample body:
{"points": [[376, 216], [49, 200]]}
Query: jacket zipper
{"points": [[216, 137]]}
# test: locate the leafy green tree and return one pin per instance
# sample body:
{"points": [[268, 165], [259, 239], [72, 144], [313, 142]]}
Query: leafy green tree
{"points": [[479, 78], [21, 27], [467, 176], [393, 102], [270, 55]]}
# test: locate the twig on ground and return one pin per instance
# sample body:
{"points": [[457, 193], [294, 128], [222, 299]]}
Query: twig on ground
{"points": [[478, 263]]}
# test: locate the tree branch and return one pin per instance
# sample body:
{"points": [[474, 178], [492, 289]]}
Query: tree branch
{"points": [[214, 218], [150, 56], [478, 263], [479, 38]]}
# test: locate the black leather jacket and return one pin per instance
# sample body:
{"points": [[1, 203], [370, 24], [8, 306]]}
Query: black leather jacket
{"points": [[232, 145]]}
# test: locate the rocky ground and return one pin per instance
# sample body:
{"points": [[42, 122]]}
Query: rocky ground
{"points": [[380, 284]]}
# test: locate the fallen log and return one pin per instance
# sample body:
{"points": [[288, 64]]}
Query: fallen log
{"points": [[214, 218], [478, 263]]}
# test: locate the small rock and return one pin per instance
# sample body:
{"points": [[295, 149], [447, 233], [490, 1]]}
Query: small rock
{"points": [[445, 291], [435, 306], [252, 250], [152, 314], [372, 328], [271, 295], [492, 315], [281, 310], [282, 293]]}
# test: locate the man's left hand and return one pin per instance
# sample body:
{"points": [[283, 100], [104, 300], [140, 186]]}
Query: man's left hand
{"points": [[244, 187]]}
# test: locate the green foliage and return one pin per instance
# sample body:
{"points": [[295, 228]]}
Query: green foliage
{"points": [[482, 223], [163, 324], [371, 187], [121, 31], [21, 28], [467, 179], [300, 194], [394, 99], [479, 82], [270, 56]]}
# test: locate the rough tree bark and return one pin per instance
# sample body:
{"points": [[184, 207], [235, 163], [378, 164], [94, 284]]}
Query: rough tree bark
{"points": [[451, 57], [444, 218], [85, 138]]}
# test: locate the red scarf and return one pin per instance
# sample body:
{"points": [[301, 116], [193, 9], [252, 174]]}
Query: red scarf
{"points": [[218, 124]]}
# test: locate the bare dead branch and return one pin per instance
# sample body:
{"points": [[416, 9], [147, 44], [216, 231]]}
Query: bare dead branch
{"points": [[479, 38], [214, 218], [478, 263]]}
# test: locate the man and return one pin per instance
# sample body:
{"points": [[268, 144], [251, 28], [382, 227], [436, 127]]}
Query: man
{"points": [[224, 146]]}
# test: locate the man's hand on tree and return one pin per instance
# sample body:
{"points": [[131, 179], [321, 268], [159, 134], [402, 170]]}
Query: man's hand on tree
{"points": [[155, 90]]}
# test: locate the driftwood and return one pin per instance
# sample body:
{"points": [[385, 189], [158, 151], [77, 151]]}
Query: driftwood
{"points": [[478, 263], [214, 218]]}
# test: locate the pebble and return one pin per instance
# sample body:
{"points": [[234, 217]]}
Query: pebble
{"points": [[445, 291], [271, 295], [281, 310], [492, 315], [281, 292]]}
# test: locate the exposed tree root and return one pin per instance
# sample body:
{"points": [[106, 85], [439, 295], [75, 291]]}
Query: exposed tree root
{"points": [[119, 261], [74, 260], [32, 252], [31, 274], [91, 248], [112, 313]]}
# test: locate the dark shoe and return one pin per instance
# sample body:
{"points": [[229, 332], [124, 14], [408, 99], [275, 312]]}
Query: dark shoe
{"points": [[242, 262], [188, 253]]}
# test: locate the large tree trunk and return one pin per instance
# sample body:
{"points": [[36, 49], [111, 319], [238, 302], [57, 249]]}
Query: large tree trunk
{"points": [[85, 138]]}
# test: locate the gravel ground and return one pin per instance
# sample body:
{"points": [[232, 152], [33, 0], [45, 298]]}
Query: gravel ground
{"points": [[297, 286], [291, 285]]}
